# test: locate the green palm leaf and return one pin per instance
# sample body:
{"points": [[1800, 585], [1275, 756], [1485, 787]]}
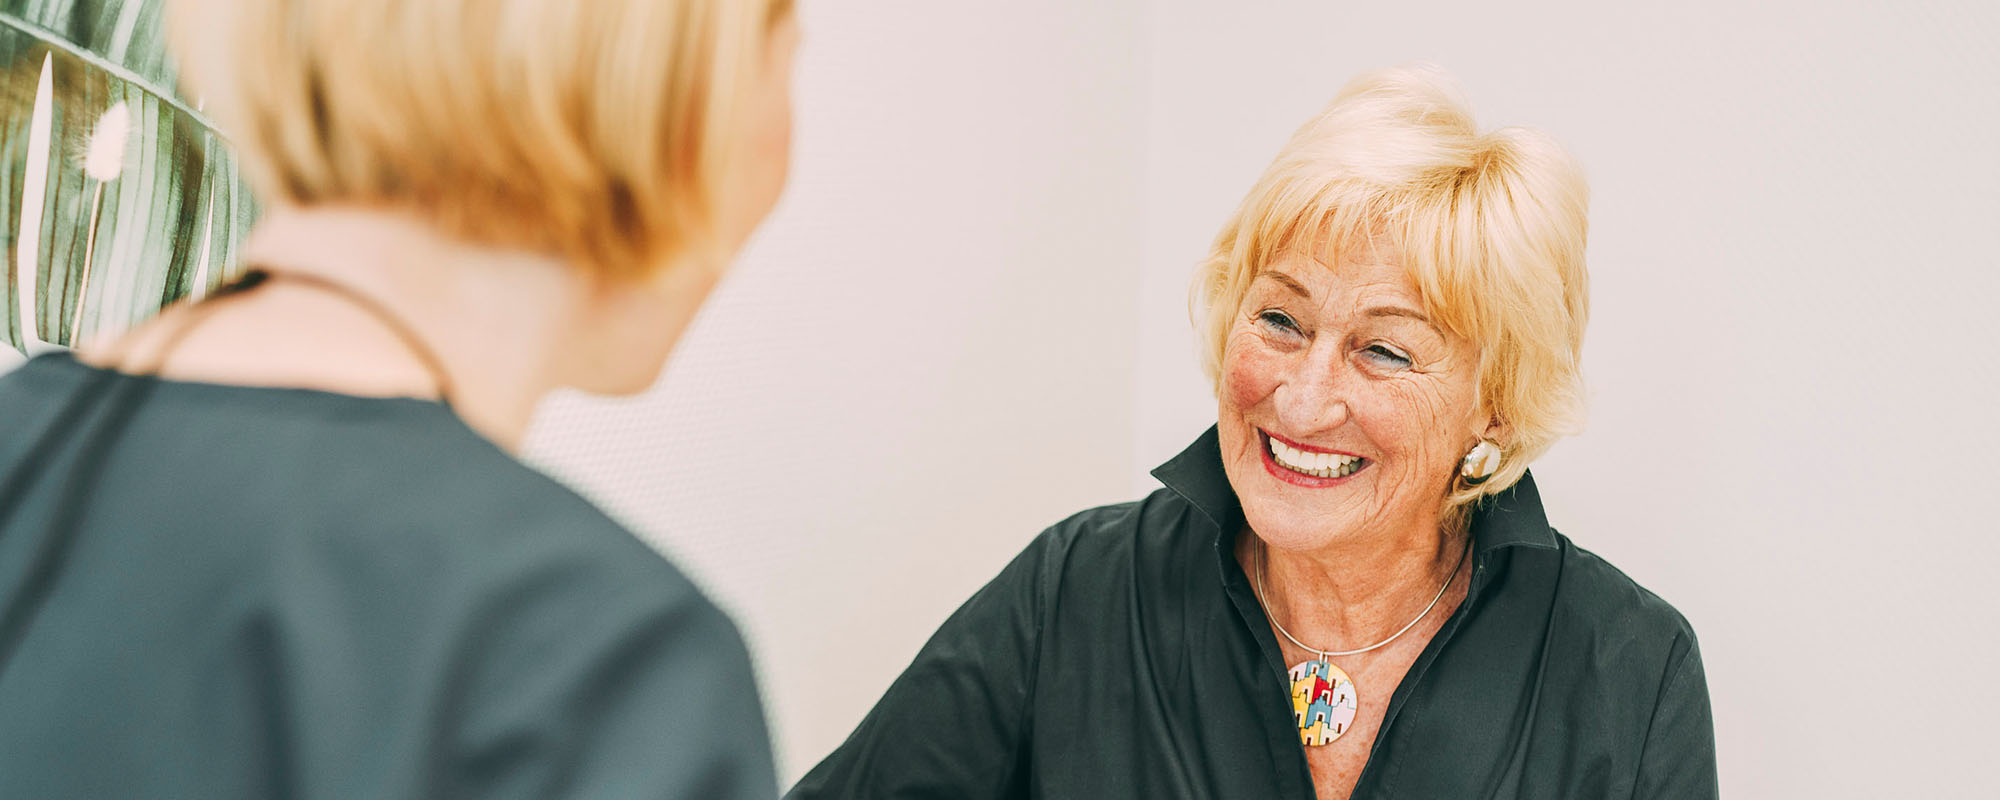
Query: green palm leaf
{"points": [[97, 250]]}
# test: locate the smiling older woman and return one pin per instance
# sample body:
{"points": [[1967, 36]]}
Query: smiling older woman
{"points": [[1347, 587]]}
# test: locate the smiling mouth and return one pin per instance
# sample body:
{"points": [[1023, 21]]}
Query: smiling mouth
{"points": [[1311, 464]]}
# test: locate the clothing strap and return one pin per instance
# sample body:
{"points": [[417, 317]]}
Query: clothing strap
{"points": [[258, 276]]}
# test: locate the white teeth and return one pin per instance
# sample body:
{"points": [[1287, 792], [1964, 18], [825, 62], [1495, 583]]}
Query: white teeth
{"points": [[1320, 465]]}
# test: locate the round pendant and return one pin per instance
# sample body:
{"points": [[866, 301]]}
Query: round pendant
{"points": [[1323, 701]]}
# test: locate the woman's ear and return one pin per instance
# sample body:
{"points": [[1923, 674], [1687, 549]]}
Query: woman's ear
{"points": [[1496, 431]]}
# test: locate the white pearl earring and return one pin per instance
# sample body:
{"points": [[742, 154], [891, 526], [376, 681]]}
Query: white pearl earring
{"points": [[1481, 463]]}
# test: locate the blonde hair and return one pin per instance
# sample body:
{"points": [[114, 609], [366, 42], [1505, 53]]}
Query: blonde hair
{"points": [[1490, 228], [597, 131]]}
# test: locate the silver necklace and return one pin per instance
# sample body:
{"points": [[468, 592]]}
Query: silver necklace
{"points": [[1324, 699]]}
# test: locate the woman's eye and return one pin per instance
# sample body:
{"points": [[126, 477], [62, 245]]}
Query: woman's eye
{"points": [[1386, 356], [1279, 320]]}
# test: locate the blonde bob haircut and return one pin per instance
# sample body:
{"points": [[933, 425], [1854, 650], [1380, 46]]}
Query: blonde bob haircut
{"points": [[1489, 226], [597, 131]]}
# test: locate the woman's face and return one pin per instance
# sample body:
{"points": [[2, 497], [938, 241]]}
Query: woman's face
{"points": [[1344, 410]]}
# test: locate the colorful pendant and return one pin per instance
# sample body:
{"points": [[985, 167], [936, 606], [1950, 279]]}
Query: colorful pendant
{"points": [[1323, 701]]}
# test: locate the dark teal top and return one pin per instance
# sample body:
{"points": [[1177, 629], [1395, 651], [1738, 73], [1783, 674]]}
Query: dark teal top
{"points": [[274, 593]]}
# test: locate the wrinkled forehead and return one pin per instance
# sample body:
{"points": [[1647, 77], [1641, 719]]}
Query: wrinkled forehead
{"points": [[1369, 268], [1364, 260]]}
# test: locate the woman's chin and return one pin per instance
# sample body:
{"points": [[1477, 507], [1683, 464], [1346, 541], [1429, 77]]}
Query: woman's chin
{"points": [[1295, 533]]}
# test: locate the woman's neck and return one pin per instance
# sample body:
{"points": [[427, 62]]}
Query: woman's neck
{"points": [[495, 319], [1357, 590]]}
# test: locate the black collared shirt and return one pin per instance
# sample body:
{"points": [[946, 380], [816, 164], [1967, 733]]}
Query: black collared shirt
{"points": [[1123, 654]]}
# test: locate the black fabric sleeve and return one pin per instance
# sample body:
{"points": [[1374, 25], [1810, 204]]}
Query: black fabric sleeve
{"points": [[1678, 761], [643, 689], [955, 723]]}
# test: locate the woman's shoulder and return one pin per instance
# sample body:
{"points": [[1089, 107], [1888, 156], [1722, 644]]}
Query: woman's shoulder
{"points": [[1158, 538], [546, 604], [1593, 594], [1160, 520], [456, 497]]}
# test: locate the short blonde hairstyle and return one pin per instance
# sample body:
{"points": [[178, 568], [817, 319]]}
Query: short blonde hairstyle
{"points": [[1490, 227], [596, 130]]}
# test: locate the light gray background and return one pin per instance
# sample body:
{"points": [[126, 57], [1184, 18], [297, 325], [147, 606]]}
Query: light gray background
{"points": [[968, 320]]}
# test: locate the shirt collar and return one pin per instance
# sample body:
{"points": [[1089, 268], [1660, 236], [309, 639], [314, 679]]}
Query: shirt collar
{"points": [[1511, 518]]}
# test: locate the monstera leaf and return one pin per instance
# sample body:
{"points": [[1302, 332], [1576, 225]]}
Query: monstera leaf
{"points": [[117, 194]]}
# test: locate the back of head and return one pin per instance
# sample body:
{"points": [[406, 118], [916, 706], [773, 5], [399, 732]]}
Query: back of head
{"points": [[597, 131]]}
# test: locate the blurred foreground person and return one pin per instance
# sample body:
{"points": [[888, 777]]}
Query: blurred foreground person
{"points": [[275, 543]]}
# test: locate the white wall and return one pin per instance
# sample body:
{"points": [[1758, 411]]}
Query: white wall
{"points": [[968, 319]]}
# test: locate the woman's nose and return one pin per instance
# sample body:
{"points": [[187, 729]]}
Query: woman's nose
{"points": [[1314, 399]]}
